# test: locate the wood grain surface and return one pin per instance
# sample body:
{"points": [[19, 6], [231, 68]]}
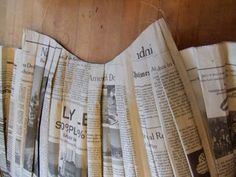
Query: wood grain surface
{"points": [[98, 30]]}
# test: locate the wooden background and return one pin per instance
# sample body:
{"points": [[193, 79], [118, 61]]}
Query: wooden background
{"points": [[98, 30]]}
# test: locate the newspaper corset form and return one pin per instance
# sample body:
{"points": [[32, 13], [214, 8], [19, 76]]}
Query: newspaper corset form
{"points": [[135, 116]]}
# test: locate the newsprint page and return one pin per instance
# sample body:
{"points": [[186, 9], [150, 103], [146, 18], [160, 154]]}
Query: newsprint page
{"points": [[212, 72], [152, 111]]}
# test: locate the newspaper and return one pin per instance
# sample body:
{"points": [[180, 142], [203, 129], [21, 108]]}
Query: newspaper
{"points": [[141, 52], [215, 66], [230, 48], [7, 68], [3, 162], [12, 112], [67, 146], [118, 121], [135, 116], [35, 98], [189, 57], [212, 73], [94, 121], [154, 107], [134, 159], [21, 104], [7, 59], [192, 102], [55, 51], [48, 52], [170, 132], [112, 149]]}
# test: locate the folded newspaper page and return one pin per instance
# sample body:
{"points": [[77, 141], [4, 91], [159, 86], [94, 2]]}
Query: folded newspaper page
{"points": [[20, 106], [150, 122], [94, 121], [190, 61], [121, 130], [54, 115], [215, 71], [6, 69], [34, 108], [189, 57], [3, 162], [230, 48], [141, 52], [58, 102], [136, 57], [192, 102], [112, 151], [13, 98], [157, 50], [54, 53], [49, 65], [67, 146], [122, 116]]}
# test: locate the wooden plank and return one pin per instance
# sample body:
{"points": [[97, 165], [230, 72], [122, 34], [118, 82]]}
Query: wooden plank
{"points": [[98, 30]]}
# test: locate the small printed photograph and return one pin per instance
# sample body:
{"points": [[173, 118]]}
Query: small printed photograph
{"points": [[17, 151], [36, 166], [116, 149], [33, 110], [198, 163], [36, 159], [43, 87], [53, 155], [232, 126], [221, 136], [106, 145], [109, 105], [29, 149], [28, 158], [71, 164]]}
